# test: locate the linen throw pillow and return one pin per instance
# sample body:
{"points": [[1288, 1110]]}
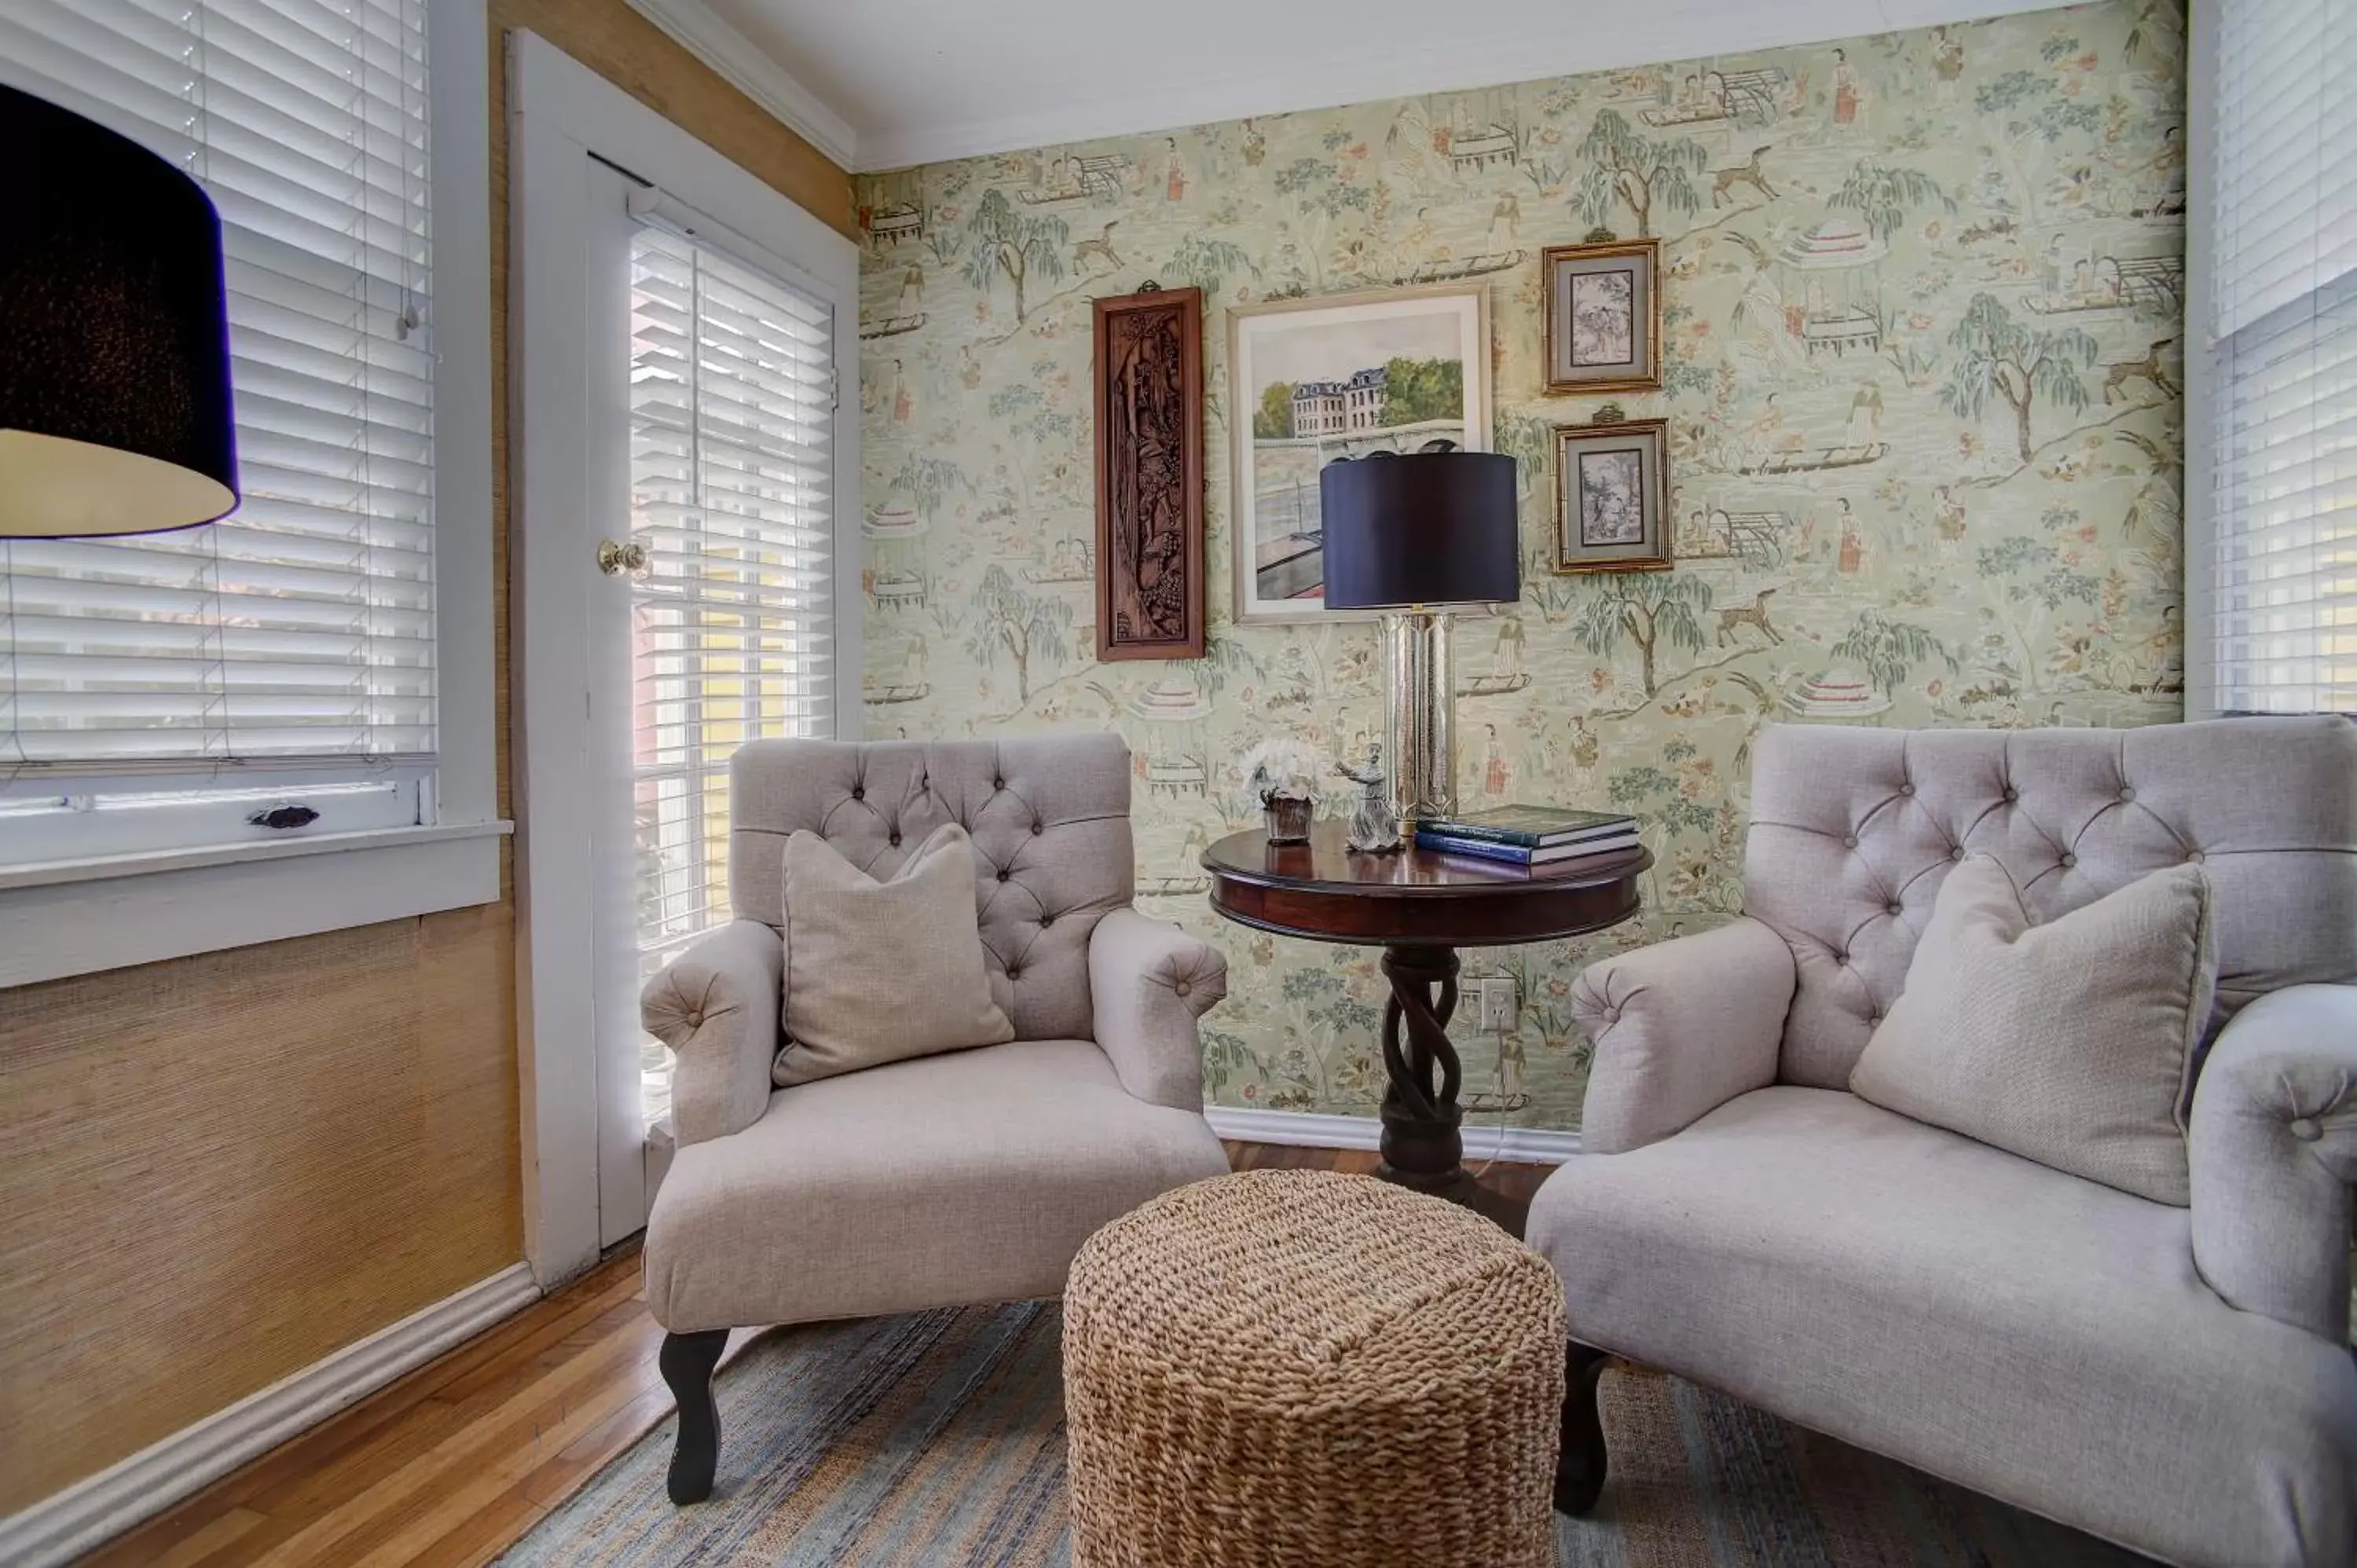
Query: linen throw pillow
{"points": [[880, 972], [2067, 1043]]}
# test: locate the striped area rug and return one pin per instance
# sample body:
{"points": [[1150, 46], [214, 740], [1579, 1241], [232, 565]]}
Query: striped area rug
{"points": [[937, 1440]]}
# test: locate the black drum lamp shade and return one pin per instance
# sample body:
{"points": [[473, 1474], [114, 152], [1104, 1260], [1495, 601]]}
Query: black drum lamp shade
{"points": [[1422, 527], [115, 412]]}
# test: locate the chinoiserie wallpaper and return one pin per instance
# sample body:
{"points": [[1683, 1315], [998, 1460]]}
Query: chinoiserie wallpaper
{"points": [[1938, 484]]}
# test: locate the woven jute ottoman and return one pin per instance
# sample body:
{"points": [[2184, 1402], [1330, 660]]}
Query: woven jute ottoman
{"points": [[1304, 1369]]}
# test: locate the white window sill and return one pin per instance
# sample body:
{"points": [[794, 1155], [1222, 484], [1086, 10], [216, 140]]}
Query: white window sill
{"points": [[62, 918]]}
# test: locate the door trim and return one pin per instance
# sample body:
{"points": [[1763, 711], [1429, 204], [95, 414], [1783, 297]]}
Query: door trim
{"points": [[560, 114]]}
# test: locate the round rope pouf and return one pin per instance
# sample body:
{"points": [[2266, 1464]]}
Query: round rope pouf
{"points": [[1303, 1370]]}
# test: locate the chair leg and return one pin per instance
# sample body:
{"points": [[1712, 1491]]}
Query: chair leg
{"points": [[687, 1361], [1579, 1469]]}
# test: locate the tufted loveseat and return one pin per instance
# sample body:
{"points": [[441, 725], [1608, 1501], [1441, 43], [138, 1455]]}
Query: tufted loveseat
{"points": [[2176, 1379], [971, 1177]]}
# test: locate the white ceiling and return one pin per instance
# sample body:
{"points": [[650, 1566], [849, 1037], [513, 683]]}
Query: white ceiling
{"points": [[885, 84]]}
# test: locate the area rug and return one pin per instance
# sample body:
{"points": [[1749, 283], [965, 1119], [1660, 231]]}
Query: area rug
{"points": [[937, 1440]]}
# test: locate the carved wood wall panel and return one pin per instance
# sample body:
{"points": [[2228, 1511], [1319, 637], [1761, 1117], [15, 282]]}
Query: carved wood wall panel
{"points": [[1149, 409]]}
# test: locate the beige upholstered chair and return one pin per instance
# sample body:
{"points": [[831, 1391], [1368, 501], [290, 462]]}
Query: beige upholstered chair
{"points": [[2176, 1379], [971, 1177]]}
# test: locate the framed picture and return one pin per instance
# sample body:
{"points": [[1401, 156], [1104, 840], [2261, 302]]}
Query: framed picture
{"points": [[1611, 490], [1149, 407], [1314, 381], [1603, 317]]}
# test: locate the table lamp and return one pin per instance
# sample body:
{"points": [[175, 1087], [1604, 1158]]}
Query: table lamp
{"points": [[1415, 534], [115, 413]]}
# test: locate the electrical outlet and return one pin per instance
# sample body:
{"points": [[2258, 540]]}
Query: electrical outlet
{"points": [[1498, 1008]]}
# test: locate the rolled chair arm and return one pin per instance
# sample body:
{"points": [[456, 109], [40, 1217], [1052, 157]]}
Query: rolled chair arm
{"points": [[2273, 1146], [716, 1006], [1680, 1028], [1150, 983]]}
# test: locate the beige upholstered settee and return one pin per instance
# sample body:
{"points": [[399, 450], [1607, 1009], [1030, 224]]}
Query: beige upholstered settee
{"points": [[2176, 1379], [970, 1177]]}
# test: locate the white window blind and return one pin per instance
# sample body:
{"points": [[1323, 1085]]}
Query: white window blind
{"points": [[731, 394], [2280, 336], [297, 636]]}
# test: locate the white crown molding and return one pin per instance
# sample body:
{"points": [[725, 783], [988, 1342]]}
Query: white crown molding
{"points": [[1530, 1145], [696, 28], [1441, 61], [59, 1528]]}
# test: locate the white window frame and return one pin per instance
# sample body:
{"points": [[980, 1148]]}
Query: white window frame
{"points": [[81, 915], [2201, 520], [561, 114]]}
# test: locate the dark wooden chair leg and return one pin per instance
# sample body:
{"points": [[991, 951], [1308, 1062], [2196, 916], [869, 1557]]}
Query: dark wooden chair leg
{"points": [[687, 1361], [1579, 1470]]}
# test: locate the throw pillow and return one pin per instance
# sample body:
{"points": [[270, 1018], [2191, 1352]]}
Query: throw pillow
{"points": [[2068, 1043], [880, 972]]}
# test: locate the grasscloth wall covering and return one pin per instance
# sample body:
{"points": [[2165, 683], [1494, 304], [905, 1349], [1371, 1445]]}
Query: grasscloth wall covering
{"points": [[2015, 186], [223, 1168]]}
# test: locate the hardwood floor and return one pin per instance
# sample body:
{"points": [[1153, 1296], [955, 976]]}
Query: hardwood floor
{"points": [[454, 1462]]}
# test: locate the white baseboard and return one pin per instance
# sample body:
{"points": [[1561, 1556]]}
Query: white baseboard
{"points": [[61, 1527], [1483, 1141]]}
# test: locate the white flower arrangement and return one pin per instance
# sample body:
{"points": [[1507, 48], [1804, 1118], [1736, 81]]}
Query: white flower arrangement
{"points": [[1286, 768]]}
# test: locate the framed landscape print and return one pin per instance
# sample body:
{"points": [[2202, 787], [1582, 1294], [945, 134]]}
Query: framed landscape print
{"points": [[1603, 317], [1314, 381], [1611, 487], [1149, 400]]}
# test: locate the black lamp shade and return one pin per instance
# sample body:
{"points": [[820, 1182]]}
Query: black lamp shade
{"points": [[1421, 528], [115, 413]]}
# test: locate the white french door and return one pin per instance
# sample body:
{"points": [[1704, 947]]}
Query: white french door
{"points": [[711, 401], [680, 584]]}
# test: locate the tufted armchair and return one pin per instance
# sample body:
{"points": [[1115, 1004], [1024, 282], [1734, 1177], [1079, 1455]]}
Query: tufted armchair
{"points": [[2176, 1379], [971, 1177]]}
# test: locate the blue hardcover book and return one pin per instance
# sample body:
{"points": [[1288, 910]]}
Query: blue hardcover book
{"points": [[1517, 854], [1532, 827]]}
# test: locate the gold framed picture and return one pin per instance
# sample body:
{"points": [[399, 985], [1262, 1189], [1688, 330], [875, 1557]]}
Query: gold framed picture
{"points": [[1612, 496], [1603, 317]]}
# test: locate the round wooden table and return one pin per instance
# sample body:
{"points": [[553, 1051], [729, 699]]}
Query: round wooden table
{"points": [[1419, 908]]}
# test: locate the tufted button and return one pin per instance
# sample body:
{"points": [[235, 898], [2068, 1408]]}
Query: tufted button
{"points": [[1849, 840], [1002, 874], [2069, 860], [1957, 853], [859, 792], [998, 783], [895, 838], [1182, 988], [2126, 794], [2194, 858], [1907, 788], [1874, 1017], [1014, 972], [1841, 959], [1038, 828], [1894, 909], [695, 1020], [924, 780], [2305, 1129], [1047, 919], [2011, 793]]}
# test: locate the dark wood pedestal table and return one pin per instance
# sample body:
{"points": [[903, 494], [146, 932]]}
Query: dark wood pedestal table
{"points": [[1419, 908]]}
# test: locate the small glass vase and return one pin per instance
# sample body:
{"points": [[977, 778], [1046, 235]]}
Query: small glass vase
{"points": [[1288, 817]]}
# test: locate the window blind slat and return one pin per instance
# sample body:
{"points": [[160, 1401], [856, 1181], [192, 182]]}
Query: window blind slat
{"points": [[303, 625]]}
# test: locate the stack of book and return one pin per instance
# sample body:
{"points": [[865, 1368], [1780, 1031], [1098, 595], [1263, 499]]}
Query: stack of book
{"points": [[1530, 835]]}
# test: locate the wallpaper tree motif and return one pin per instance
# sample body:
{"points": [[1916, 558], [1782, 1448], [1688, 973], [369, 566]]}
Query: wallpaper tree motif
{"points": [[1922, 308]]}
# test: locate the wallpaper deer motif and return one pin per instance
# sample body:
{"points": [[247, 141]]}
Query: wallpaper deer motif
{"points": [[1922, 299]]}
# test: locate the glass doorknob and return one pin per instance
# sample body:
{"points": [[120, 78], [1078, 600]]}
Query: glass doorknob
{"points": [[614, 558]]}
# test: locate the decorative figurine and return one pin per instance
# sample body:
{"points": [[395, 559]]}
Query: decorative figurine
{"points": [[1281, 779], [1374, 825]]}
